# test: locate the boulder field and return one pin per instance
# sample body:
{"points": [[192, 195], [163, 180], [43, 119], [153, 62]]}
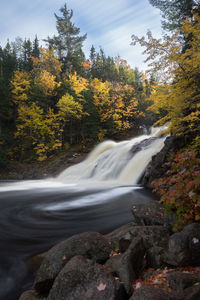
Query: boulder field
{"points": [[142, 260]]}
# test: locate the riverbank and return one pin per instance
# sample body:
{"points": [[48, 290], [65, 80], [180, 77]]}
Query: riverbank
{"points": [[55, 164], [140, 260]]}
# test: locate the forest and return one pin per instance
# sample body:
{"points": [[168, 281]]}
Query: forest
{"points": [[53, 97]]}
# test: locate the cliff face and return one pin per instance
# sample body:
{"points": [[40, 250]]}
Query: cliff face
{"points": [[156, 168]]}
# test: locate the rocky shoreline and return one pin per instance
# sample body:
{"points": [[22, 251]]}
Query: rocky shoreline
{"points": [[141, 260]]}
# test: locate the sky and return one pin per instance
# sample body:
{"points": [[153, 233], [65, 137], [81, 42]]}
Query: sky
{"points": [[109, 24]]}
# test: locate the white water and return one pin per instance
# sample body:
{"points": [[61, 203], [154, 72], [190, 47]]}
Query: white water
{"points": [[112, 163]]}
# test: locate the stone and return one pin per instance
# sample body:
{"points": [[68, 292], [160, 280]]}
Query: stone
{"points": [[90, 244], [156, 168], [127, 266], [192, 293], [178, 280], [152, 293], [155, 257], [150, 213], [184, 247], [152, 235], [31, 295], [82, 278], [35, 262]]}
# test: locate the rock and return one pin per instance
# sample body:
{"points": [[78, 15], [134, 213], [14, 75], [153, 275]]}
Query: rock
{"points": [[179, 281], [82, 278], [90, 244], [123, 245], [31, 295], [155, 168], [150, 213], [152, 293], [141, 145], [184, 247], [35, 262], [128, 265], [155, 257], [192, 293], [152, 235]]}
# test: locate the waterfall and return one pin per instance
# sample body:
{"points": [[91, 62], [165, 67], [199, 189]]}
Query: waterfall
{"points": [[112, 163]]}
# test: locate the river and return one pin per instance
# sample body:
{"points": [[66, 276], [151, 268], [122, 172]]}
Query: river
{"points": [[95, 195]]}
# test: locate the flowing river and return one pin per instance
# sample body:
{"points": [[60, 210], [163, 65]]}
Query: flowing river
{"points": [[95, 195]]}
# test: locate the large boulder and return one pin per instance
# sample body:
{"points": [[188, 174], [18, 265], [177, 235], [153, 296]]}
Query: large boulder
{"points": [[184, 247], [192, 293], [93, 245], [152, 235], [155, 257], [150, 213], [152, 293], [82, 278], [180, 281], [128, 265]]}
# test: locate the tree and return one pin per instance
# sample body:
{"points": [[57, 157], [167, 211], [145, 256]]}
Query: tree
{"points": [[174, 12], [178, 96], [36, 133], [69, 110], [68, 42]]}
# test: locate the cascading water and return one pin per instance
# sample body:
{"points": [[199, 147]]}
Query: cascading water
{"points": [[114, 163], [95, 195]]}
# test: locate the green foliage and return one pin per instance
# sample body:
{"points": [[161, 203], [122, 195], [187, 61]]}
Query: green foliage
{"points": [[180, 188], [68, 42], [53, 97], [174, 12]]}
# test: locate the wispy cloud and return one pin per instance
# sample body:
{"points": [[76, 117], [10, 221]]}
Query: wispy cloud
{"points": [[109, 24]]}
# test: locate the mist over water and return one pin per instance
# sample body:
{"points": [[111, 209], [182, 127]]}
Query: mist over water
{"points": [[95, 195]]}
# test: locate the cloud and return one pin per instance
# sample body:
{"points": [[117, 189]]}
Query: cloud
{"points": [[109, 24]]}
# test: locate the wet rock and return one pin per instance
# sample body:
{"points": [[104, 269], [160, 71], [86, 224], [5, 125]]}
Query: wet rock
{"points": [[31, 295], [155, 257], [82, 278], [152, 235], [156, 168], [152, 293], [139, 146], [184, 247], [90, 244], [127, 266], [151, 213]]}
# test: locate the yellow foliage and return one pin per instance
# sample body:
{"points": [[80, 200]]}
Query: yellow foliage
{"points": [[48, 61], [47, 82], [69, 108], [20, 86], [37, 130], [178, 94], [78, 83], [101, 95]]}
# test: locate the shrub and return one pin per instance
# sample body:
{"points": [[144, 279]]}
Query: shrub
{"points": [[180, 188]]}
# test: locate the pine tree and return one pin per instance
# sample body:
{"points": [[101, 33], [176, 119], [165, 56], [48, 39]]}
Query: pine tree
{"points": [[174, 12], [68, 42]]}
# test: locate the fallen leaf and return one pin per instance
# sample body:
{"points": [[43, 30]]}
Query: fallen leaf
{"points": [[101, 287]]}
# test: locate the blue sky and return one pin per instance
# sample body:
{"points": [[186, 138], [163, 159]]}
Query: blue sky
{"points": [[108, 23]]}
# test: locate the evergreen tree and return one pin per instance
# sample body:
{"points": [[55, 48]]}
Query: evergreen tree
{"points": [[35, 48], [174, 12], [68, 42]]}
